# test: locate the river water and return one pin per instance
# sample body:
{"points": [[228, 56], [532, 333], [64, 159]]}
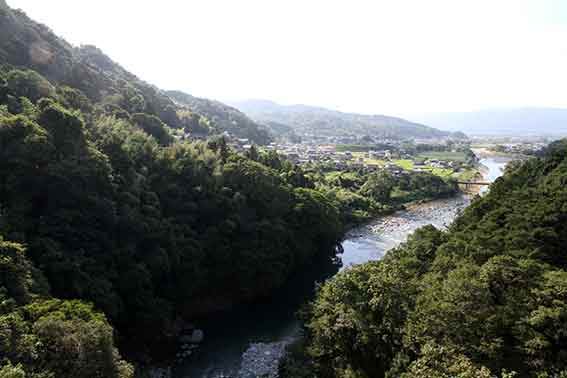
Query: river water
{"points": [[494, 168], [248, 340]]}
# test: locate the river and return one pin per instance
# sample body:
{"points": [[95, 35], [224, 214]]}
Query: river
{"points": [[247, 341], [494, 168]]}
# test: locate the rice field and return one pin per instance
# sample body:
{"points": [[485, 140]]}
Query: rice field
{"points": [[443, 155]]}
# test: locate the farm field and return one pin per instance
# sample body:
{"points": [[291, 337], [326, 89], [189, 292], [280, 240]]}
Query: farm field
{"points": [[443, 155], [408, 164], [404, 163], [367, 160]]}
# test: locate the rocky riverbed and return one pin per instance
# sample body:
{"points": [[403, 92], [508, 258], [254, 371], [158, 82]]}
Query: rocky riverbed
{"points": [[262, 360], [250, 340], [370, 242]]}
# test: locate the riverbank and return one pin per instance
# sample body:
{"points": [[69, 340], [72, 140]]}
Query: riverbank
{"points": [[214, 311], [491, 165], [372, 241], [484, 153], [247, 341], [394, 208]]}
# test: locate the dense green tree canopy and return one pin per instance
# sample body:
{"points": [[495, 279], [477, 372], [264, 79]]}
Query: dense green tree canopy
{"points": [[49, 337], [487, 298], [112, 220], [115, 211]]}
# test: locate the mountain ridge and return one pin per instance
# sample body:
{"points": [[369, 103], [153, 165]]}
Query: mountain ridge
{"points": [[319, 120], [497, 121], [32, 45]]}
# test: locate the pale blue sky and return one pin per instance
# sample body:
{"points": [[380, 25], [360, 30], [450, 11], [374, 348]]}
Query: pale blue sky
{"points": [[392, 57]]}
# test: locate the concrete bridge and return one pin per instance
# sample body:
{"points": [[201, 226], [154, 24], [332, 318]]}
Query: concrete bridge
{"points": [[468, 184]]}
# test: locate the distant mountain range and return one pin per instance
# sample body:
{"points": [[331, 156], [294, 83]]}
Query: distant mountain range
{"points": [[306, 120], [511, 121], [111, 87]]}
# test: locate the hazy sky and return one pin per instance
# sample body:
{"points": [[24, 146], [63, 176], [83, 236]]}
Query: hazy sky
{"points": [[392, 57]]}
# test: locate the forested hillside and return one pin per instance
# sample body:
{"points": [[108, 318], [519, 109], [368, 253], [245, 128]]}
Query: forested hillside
{"points": [[109, 216], [113, 211], [487, 298], [115, 223], [224, 117], [320, 121], [25, 43]]}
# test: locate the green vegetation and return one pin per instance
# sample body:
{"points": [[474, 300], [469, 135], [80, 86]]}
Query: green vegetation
{"points": [[223, 117], [123, 219], [127, 226], [49, 337], [326, 122], [460, 154], [408, 164], [368, 160], [360, 196], [362, 147], [113, 223], [486, 298], [516, 149], [470, 175], [441, 172], [404, 163], [85, 74], [115, 212], [457, 156]]}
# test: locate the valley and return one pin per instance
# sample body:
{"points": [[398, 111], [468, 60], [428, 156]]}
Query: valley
{"points": [[244, 342], [148, 230]]}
